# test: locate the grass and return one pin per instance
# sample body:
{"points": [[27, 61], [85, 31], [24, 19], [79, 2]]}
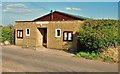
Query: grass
{"points": [[107, 59], [94, 56], [87, 55]]}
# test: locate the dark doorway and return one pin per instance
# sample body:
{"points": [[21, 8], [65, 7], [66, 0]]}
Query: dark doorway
{"points": [[45, 37]]}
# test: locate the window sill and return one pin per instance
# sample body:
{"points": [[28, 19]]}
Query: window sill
{"points": [[57, 36], [20, 37]]}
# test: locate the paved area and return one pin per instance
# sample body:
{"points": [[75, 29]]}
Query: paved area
{"points": [[16, 59]]}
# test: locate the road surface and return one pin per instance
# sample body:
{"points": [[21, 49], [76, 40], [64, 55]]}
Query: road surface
{"points": [[16, 59]]}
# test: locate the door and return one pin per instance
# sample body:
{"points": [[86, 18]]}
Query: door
{"points": [[45, 37], [42, 34]]}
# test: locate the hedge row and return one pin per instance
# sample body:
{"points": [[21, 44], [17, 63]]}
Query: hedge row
{"points": [[99, 34]]}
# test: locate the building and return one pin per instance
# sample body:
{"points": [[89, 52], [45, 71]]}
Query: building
{"points": [[55, 30]]}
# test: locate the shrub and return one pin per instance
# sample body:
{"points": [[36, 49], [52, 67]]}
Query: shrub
{"points": [[0, 34], [8, 34], [107, 59], [88, 55], [95, 55], [99, 34]]}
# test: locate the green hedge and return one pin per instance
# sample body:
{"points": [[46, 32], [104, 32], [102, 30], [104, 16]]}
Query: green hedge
{"points": [[8, 34], [99, 34]]}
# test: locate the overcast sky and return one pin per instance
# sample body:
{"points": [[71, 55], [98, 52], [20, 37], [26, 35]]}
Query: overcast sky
{"points": [[27, 11]]}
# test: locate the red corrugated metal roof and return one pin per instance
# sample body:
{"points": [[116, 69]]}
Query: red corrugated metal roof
{"points": [[66, 14]]}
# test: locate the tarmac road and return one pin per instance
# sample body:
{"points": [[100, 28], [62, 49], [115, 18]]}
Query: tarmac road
{"points": [[16, 59]]}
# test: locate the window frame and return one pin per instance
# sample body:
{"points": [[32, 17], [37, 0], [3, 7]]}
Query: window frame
{"points": [[68, 35], [56, 33], [19, 33], [26, 31]]}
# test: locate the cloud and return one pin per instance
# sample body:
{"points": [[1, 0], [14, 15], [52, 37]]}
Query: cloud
{"points": [[16, 5], [16, 8], [7, 9], [71, 8]]}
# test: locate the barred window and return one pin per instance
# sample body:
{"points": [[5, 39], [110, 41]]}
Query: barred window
{"points": [[67, 36], [19, 33]]}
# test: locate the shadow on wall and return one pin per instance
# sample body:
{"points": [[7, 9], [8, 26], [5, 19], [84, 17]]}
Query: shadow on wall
{"points": [[82, 47], [73, 46]]}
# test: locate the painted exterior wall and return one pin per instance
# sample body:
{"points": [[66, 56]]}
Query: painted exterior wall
{"points": [[57, 42], [39, 37], [36, 37], [27, 41]]}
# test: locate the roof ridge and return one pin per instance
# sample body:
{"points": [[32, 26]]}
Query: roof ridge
{"points": [[64, 13], [71, 14]]}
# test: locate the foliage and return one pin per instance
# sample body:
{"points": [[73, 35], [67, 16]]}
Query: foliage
{"points": [[107, 59], [99, 34], [8, 34], [87, 55], [0, 34], [93, 56]]}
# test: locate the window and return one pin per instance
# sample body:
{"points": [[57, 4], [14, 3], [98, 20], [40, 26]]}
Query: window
{"points": [[57, 32], [19, 33], [27, 32], [67, 36]]}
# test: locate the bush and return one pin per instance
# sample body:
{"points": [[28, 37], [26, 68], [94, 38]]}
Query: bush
{"points": [[99, 34], [0, 34], [107, 59], [8, 34], [88, 55]]}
